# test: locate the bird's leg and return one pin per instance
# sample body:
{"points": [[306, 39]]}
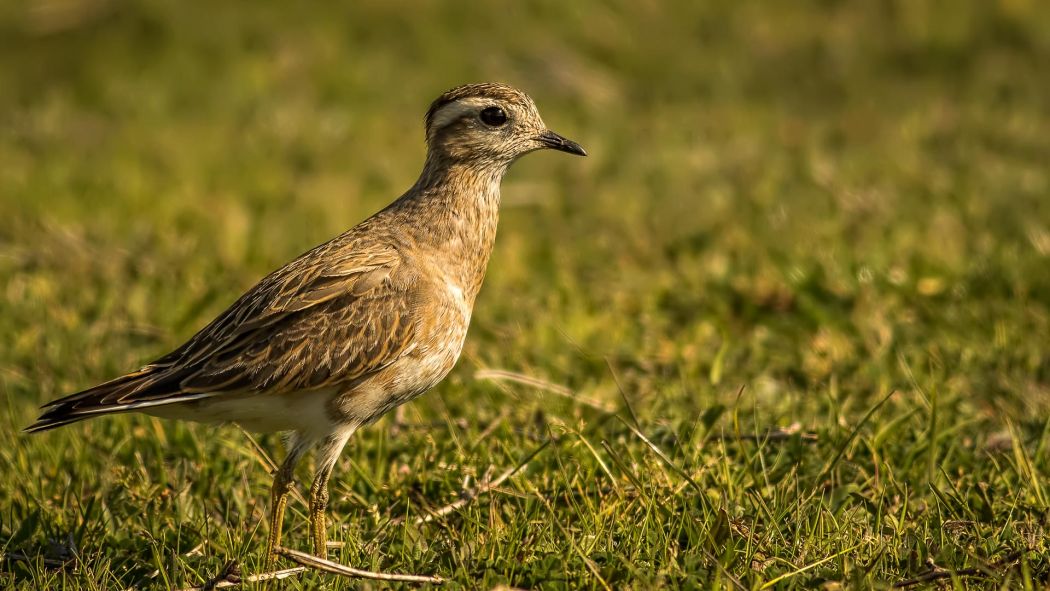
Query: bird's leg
{"points": [[283, 480], [326, 458], [282, 484], [318, 505]]}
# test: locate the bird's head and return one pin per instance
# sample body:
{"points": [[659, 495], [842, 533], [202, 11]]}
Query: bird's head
{"points": [[489, 125]]}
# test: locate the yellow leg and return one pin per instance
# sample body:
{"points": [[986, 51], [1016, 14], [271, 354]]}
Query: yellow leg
{"points": [[282, 484], [318, 505], [327, 455]]}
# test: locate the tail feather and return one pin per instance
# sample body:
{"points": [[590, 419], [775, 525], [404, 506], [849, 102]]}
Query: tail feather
{"points": [[150, 386], [43, 424]]}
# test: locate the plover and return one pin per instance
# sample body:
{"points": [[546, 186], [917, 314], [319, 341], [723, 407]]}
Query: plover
{"points": [[356, 326]]}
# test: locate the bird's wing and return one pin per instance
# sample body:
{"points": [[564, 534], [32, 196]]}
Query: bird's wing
{"points": [[357, 277], [345, 324], [332, 316]]}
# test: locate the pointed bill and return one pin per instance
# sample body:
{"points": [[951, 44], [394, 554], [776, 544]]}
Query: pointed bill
{"points": [[554, 141]]}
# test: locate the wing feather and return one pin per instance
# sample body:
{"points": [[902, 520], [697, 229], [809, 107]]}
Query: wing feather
{"points": [[332, 316]]}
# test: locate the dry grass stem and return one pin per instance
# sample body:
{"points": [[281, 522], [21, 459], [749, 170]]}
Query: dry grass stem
{"points": [[224, 581], [465, 498], [936, 573], [311, 561], [510, 376]]}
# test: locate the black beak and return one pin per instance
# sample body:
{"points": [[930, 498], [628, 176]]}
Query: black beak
{"points": [[556, 142]]}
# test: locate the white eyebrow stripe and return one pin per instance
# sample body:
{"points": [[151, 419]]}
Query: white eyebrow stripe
{"points": [[455, 110]]}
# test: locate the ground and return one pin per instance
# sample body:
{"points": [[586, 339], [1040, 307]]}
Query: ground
{"points": [[787, 326]]}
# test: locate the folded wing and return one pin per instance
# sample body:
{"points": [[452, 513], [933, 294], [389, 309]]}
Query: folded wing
{"points": [[333, 316]]}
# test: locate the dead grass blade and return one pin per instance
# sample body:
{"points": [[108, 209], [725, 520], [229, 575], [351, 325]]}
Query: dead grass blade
{"points": [[510, 376], [314, 562], [469, 495], [936, 574], [231, 577]]}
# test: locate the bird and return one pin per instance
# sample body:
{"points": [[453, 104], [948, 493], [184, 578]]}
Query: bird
{"points": [[356, 326]]}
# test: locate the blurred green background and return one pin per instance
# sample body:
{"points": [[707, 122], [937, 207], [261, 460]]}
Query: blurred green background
{"points": [[790, 212]]}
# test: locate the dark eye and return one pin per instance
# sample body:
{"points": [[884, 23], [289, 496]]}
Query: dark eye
{"points": [[493, 116]]}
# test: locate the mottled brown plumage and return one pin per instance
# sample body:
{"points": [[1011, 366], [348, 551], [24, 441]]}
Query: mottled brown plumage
{"points": [[357, 325]]}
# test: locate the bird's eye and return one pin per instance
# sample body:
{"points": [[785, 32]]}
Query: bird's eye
{"points": [[493, 116]]}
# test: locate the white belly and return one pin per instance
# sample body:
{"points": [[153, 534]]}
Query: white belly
{"points": [[306, 412]]}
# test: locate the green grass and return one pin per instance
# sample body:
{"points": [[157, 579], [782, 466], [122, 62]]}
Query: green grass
{"points": [[825, 217]]}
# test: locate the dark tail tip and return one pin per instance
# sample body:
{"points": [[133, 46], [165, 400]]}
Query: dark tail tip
{"points": [[46, 423], [36, 427], [56, 414]]}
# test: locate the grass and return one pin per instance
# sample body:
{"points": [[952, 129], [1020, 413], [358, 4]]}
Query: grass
{"points": [[805, 266]]}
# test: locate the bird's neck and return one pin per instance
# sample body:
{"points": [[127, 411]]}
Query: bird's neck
{"points": [[461, 204], [463, 176]]}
